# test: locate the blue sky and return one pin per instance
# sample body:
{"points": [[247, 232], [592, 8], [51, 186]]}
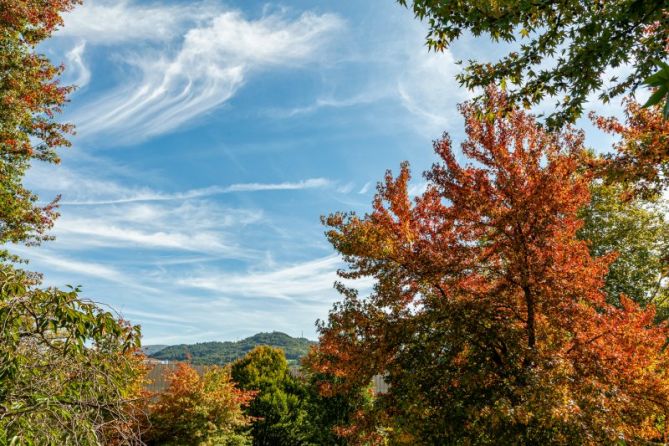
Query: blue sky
{"points": [[211, 138]]}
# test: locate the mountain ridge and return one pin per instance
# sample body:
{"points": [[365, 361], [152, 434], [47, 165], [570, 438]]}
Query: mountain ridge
{"points": [[225, 352]]}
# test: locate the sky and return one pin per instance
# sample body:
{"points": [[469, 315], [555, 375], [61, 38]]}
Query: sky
{"points": [[211, 137]]}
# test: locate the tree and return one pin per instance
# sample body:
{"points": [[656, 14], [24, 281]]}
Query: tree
{"points": [[488, 317], [30, 98], [640, 160], [200, 410], [279, 409], [637, 232], [582, 41], [332, 413], [69, 373]]}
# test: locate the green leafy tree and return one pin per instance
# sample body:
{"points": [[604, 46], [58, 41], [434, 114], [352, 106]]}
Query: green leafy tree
{"points": [[68, 370], [565, 48], [638, 232], [279, 408]]}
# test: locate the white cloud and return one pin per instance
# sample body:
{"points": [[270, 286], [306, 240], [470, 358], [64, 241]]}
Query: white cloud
{"points": [[214, 60], [84, 190], [311, 280], [63, 264], [365, 188], [99, 213], [194, 226], [310, 183], [346, 188], [128, 195], [114, 21], [368, 96], [80, 72], [428, 90], [308, 280], [96, 232]]}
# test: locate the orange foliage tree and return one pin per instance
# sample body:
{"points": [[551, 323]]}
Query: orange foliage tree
{"points": [[488, 318], [30, 99], [199, 410], [641, 157]]}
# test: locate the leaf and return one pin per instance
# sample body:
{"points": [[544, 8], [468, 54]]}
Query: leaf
{"points": [[656, 97]]}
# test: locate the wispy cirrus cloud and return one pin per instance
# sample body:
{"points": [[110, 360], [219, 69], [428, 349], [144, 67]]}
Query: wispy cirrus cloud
{"points": [[217, 50], [79, 189], [87, 232], [110, 22], [106, 214], [427, 88], [305, 281], [77, 68], [62, 263], [143, 194]]}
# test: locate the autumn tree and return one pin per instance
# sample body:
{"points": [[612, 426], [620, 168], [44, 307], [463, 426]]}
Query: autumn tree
{"points": [[199, 410], [564, 49], [331, 413], [30, 99], [640, 157], [488, 316]]}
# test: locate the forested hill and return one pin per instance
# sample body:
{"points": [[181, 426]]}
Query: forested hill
{"points": [[209, 353]]}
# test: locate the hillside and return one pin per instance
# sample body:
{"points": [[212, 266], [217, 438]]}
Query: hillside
{"points": [[210, 353], [152, 349]]}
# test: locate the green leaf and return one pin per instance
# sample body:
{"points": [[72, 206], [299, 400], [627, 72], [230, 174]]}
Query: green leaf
{"points": [[656, 97], [659, 78]]}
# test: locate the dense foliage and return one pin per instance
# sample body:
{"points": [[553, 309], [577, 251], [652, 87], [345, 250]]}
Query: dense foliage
{"points": [[294, 408], [68, 370], [640, 159], [199, 410], [333, 414], [637, 232], [565, 49], [488, 316], [221, 353], [279, 409], [30, 97]]}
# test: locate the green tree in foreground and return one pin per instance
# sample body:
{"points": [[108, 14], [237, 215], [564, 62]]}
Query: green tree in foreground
{"points": [[199, 410], [565, 48], [331, 414], [69, 372], [280, 406]]}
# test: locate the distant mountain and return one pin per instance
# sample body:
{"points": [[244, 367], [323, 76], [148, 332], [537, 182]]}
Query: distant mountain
{"points": [[149, 350], [211, 353]]}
